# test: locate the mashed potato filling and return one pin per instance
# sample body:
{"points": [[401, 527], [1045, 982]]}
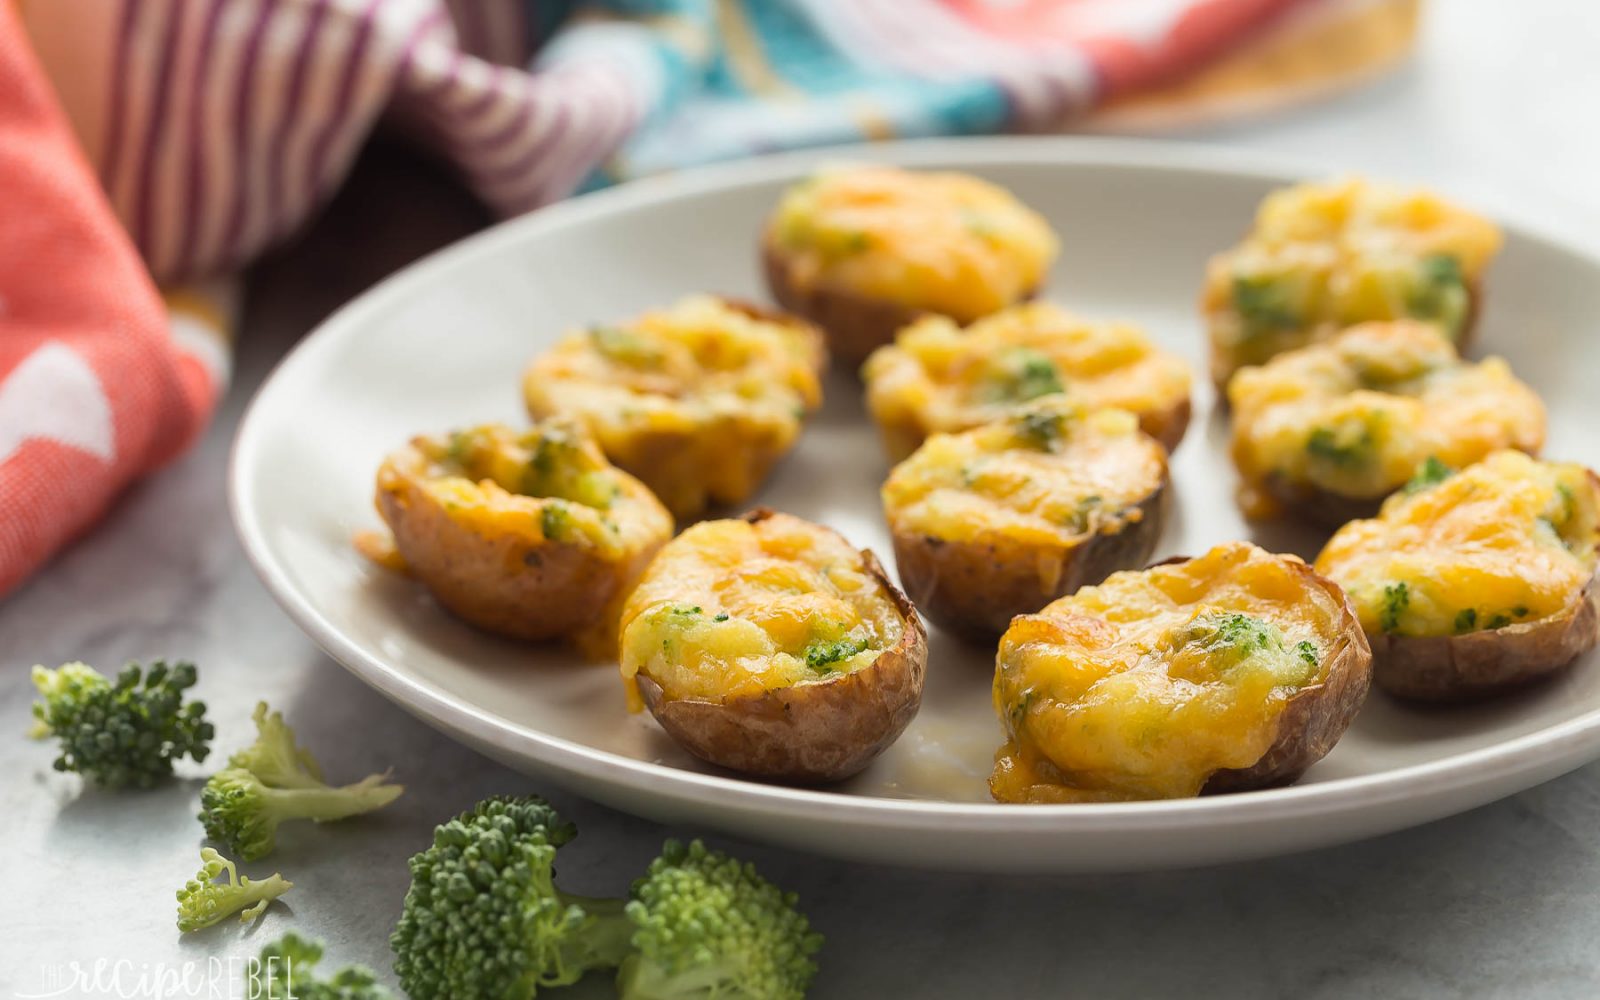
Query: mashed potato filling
{"points": [[945, 242], [1145, 685], [1328, 255], [1504, 541], [697, 399], [550, 481], [1357, 414], [1047, 477], [937, 377], [730, 609]]}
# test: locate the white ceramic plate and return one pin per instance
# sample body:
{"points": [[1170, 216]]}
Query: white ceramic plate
{"points": [[442, 343]]}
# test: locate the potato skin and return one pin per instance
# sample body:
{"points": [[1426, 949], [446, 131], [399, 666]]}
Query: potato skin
{"points": [[1318, 506], [808, 733], [1476, 665], [1168, 426], [855, 325], [975, 590], [505, 582], [1317, 715]]}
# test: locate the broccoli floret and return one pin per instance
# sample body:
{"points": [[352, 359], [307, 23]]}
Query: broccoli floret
{"points": [[1431, 472], [483, 917], [274, 780], [286, 969], [1466, 620], [710, 926], [122, 733], [1039, 428], [204, 901]]}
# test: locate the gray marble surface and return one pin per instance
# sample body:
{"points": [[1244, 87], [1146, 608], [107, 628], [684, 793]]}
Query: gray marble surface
{"points": [[1503, 901]]}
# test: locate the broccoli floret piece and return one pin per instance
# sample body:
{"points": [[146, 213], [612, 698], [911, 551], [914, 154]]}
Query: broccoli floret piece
{"points": [[204, 901], [710, 926], [1396, 598], [483, 917], [1431, 472], [1023, 373], [554, 519], [1263, 305], [1340, 447], [275, 780], [286, 968], [122, 733], [822, 656], [1440, 293], [1466, 620]]}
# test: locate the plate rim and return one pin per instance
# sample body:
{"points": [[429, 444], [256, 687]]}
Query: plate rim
{"points": [[1565, 743]]}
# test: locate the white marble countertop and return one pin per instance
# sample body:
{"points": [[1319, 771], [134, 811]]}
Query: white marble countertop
{"points": [[1498, 107]]}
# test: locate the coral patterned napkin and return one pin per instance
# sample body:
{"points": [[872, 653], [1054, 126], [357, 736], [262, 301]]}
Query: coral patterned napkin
{"points": [[195, 133]]}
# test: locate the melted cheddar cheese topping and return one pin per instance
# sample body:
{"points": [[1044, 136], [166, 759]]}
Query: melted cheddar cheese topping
{"points": [[943, 242], [1145, 685], [1504, 541], [1046, 478], [937, 377], [730, 608], [695, 399], [1329, 255], [550, 482], [1355, 415]]}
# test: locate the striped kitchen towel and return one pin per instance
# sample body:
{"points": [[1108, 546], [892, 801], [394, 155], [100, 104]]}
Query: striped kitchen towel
{"points": [[217, 127]]}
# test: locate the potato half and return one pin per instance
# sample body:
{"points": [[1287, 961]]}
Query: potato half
{"points": [[1328, 255], [1003, 519], [531, 534], [864, 250], [699, 400], [767, 645], [940, 378], [1326, 432], [1234, 670], [1472, 583]]}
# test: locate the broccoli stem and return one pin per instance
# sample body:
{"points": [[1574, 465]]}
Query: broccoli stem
{"points": [[325, 804], [608, 933]]}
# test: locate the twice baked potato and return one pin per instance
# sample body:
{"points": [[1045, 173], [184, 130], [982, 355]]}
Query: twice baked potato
{"points": [[1328, 431], [1234, 670], [769, 646], [1328, 255], [699, 399], [531, 534], [1003, 519], [1472, 583], [863, 250], [938, 378]]}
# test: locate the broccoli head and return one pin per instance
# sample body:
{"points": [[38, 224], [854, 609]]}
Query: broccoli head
{"points": [[125, 732], [204, 901], [275, 780], [286, 969], [709, 925], [483, 917]]}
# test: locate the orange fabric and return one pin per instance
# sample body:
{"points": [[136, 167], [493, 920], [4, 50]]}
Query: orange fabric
{"points": [[85, 350]]}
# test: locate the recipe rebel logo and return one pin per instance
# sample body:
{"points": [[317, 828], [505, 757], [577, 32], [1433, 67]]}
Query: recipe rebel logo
{"points": [[126, 979]]}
